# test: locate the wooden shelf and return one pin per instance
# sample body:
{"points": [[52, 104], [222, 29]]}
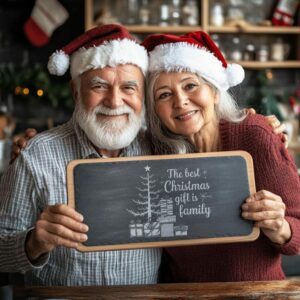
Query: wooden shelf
{"points": [[161, 29], [257, 65], [242, 28], [255, 29]]}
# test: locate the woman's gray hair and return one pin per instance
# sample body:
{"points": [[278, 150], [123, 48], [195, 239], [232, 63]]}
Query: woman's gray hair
{"points": [[166, 142]]}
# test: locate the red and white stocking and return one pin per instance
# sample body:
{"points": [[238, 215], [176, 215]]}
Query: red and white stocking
{"points": [[284, 12], [45, 17]]}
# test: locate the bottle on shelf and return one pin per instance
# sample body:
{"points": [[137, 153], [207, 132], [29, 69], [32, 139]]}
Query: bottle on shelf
{"points": [[255, 11], [164, 15], [236, 53], [175, 12], [235, 10], [262, 53], [190, 13], [217, 15], [279, 50], [144, 12], [249, 52], [132, 12]]}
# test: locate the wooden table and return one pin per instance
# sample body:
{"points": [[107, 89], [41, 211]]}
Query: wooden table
{"points": [[278, 290]]}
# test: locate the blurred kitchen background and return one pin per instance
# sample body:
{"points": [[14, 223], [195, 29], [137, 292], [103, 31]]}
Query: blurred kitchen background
{"points": [[262, 35]]}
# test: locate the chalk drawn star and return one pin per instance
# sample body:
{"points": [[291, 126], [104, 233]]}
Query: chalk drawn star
{"points": [[147, 168]]}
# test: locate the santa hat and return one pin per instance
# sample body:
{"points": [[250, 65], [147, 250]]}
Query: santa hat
{"points": [[106, 45], [193, 52]]}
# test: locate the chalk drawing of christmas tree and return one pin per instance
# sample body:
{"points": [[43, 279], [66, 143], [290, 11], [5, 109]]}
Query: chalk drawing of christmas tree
{"points": [[148, 204]]}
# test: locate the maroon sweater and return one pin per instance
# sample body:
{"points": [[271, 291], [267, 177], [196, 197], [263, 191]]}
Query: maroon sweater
{"points": [[275, 171]]}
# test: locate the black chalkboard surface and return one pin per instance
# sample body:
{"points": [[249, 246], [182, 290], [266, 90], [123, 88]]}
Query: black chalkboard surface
{"points": [[156, 201]]}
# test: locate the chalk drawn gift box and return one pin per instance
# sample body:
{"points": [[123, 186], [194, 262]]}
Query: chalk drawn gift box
{"points": [[136, 229], [181, 230], [152, 229]]}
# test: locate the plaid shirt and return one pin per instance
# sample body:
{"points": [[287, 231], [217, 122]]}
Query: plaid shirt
{"points": [[37, 179]]}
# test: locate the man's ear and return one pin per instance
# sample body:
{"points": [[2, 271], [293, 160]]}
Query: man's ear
{"points": [[74, 90]]}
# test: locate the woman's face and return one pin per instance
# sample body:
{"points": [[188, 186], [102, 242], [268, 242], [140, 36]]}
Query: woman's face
{"points": [[184, 103]]}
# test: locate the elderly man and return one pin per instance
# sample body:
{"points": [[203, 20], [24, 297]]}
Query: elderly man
{"points": [[39, 233]]}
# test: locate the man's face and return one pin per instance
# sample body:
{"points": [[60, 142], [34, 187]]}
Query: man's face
{"points": [[113, 88], [109, 105]]}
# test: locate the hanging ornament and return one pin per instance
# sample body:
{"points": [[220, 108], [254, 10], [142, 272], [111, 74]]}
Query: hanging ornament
{"points": [[45, 17]]}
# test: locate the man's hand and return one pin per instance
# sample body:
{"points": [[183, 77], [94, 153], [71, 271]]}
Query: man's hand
{"points": [[278, 128], [268, 211], [58, 225], [21, 142]]}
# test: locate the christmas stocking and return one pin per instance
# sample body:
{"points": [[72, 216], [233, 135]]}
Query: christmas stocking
{"points": [[284, 12], [46, 16]]}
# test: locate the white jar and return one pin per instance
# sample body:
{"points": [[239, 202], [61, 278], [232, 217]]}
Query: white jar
{"points": [[217, 15], [279, 50]]}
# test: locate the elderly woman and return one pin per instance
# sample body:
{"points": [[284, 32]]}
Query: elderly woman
{"points": [[190, 110]]}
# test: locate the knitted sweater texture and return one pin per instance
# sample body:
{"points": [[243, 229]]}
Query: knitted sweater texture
{"points": [[275, 171]]}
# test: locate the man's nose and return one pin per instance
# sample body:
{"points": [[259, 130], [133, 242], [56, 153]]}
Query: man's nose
{"points": [[180, 99], [114, 99]]}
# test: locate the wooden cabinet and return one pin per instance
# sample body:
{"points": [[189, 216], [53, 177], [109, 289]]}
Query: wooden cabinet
{"points": [[291, 34]]}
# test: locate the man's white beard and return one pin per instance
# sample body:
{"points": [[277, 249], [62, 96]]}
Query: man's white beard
{"points": [[109, 134]]}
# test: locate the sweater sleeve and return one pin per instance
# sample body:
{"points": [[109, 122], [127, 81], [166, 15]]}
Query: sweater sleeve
{"points": [[275, 171], [18, 211]]}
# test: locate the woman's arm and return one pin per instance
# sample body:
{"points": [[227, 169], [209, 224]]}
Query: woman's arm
{"points": [[276, 206]]}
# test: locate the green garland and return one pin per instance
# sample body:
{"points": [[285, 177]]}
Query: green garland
{"points": [[35, 85]]}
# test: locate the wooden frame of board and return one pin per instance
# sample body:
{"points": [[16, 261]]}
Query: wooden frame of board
{"points": [[246, 157]]}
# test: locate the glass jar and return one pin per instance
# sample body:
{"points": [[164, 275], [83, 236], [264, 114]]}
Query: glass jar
{"points": [[249, 53], [262, 53], [190, 13], [235, 10], [217, 15], [175, 13], [164, 15], [236, 52], [132, 12], [279, 50], [255, 11], [144, 12]]}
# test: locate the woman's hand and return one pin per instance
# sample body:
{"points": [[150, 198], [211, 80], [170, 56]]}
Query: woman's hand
{"points": [[267, 210], [58, 225], [21, 142]]}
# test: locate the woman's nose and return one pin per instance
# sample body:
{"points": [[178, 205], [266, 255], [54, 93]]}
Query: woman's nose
{"points": [[181, 99]]}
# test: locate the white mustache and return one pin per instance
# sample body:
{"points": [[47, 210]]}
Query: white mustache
{"points": [[101, 109]]}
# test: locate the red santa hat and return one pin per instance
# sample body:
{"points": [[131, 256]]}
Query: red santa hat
{"points": [[193, 52], [106, 45]]}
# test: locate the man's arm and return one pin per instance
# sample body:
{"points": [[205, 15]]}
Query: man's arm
{"points": [[20, 143], [27, 235], [18, 208]]}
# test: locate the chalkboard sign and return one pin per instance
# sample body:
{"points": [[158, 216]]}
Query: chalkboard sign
{"points": [[159, 201]]}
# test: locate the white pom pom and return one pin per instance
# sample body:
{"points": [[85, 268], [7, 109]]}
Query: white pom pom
{"points": [[235, 74], [58, 63]]}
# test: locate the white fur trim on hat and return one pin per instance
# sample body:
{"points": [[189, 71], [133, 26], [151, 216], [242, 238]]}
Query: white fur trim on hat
{"points": [[111, 53], [58, 63], [183, 56], [235, 74]]}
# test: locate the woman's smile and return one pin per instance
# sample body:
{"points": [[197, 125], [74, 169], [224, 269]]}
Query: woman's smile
{"points": [[187, 115]]}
